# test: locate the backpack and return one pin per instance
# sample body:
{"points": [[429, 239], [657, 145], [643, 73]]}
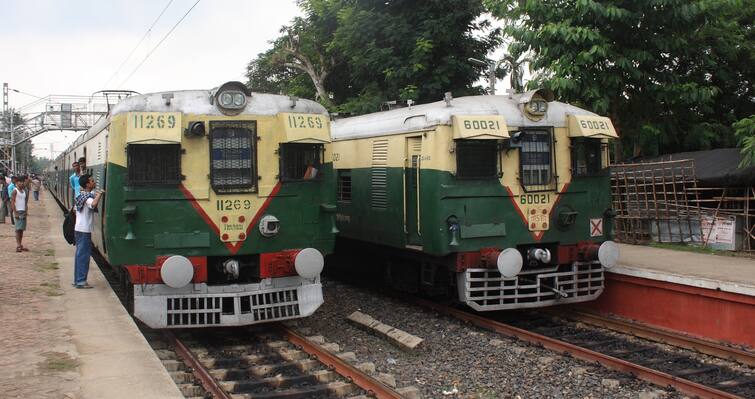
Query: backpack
{"points": [[69, 224]]}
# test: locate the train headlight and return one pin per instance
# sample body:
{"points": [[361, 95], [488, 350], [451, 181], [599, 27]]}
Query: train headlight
{"points": [[239, 99], [177, 271], [509, 262], [309, 263], [231, 97], [226, 100], [608, 254]]}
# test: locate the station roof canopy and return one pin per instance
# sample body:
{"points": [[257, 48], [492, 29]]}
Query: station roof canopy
{"points": [[714, 168]]}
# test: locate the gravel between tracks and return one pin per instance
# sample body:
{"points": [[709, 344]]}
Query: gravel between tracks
{"points": [[462, 361]]}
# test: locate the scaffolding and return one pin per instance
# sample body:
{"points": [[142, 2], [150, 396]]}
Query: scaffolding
{"points": [[656, 201], [663, 202]]}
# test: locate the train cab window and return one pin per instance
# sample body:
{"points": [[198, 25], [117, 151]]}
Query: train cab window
{"points": [[300, 161], [154, 164], [587, 159], [536, 160], [343, 190], [233, 157], [477, 159]]}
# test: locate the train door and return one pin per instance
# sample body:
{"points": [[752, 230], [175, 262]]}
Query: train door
{"points": [[412, 190], [103, 158]]}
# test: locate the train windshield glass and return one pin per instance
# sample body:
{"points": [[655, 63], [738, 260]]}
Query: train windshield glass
{"points": [[536, 158], [586, 157], [233, 157], [300, 161], [476, 159], [151, 164]]}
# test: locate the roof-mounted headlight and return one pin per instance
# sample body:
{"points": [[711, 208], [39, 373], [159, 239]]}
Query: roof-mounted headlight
{"points": [[231, 97], [537, 107]]}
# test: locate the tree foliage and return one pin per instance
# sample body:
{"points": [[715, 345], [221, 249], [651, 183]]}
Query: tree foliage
{"points": [[365, 52], [672, 74], [745, 131]]}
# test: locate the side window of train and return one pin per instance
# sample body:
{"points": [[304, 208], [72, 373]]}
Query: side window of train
{"points": [[153, 164], [477, 159], [343, 190], [586, 155], [233, 156], [300, 161], [536, 160]]}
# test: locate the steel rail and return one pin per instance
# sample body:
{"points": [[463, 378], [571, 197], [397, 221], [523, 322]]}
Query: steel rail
{"points": [[351, 373], [660, 335], [200, 372], [653, 376]]}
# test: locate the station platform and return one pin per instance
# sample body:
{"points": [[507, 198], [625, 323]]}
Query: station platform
{"points": [[707, 296], [100, 352]]}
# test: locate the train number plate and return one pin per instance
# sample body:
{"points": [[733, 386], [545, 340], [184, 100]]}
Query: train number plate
{"points": [[538, 218], [232, 228]]}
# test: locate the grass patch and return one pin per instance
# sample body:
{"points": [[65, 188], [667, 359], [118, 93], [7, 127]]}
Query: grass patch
{"points": [[692, 248], [49, 289], [47, 267], [49, 252], [57, 361]]}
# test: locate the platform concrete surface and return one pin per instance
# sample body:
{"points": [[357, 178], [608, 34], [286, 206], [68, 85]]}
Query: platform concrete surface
{"points": [[725, 273], [115, 360]]}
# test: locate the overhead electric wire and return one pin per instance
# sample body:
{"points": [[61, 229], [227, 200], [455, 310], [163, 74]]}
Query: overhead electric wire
{"points": [[128, 57], [25, 93], [158, 44]]}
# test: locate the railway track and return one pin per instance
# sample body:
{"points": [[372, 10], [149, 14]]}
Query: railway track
{"points": [[262, 362], [268, 362], [622, 352]]}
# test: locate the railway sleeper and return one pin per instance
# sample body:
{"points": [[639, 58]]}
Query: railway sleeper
{"points": [[263, 370], [736, 383], [319, 376], [624, 352], [190, 390], [337, 388], [694, 371], [660, 360], [210, 361]]}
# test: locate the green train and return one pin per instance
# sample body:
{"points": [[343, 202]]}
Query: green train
{"points": [[502, 202], [219, 205]]}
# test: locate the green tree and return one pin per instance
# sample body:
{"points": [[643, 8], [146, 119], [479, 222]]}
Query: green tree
{"points": [[745, 131], [672, 74], [365, 52]]}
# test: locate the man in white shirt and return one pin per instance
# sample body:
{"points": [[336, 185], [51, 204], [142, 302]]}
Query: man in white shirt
{"points": [[18, 202], [86, 203]]}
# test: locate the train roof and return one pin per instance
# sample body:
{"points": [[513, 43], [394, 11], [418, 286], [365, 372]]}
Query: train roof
{"points": [[425, 116], [198, 102]]}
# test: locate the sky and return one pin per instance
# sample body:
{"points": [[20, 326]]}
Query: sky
{"points": [[78, 47], [75, 47]]}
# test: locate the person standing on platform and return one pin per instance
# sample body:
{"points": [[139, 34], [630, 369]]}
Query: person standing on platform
{"points": [[18, 201], [11, 187], [4, 198], [86, 203], [36, 184], [74, 180]]}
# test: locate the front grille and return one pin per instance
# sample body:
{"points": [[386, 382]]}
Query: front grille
{"points": [[207, 311], [486, 289], [203, 311], [271, 305]]}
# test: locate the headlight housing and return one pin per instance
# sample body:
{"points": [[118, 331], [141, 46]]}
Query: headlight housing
{"points": [[231, 98]]}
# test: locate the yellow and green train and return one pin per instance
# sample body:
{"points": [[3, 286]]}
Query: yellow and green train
{"points": [[500, 201], [219, 205]]}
